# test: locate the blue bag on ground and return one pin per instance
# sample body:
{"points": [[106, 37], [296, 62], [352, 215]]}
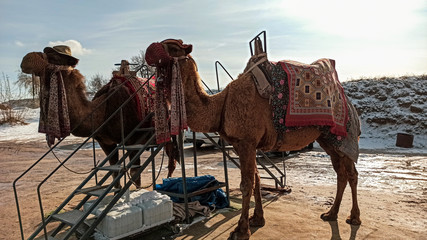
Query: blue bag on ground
{"points": [[214, 199]]}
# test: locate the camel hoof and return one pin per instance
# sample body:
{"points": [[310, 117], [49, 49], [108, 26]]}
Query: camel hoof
{"points": [[234, 235], [353, 221], [256, 222], [328, 217]]}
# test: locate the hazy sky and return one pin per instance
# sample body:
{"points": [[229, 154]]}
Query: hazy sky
{"points": [[365, 37]]}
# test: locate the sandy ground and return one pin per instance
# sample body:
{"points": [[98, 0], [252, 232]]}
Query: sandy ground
{"points": [[392, 195]]}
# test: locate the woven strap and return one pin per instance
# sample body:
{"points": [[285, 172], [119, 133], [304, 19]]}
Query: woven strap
{"points": [[54, 118]]}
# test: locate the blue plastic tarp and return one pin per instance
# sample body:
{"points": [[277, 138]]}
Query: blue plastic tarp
{"points": [[215, 199]]}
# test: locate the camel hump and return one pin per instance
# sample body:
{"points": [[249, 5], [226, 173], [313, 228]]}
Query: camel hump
{"points": [[260, 69], [124, 70]]}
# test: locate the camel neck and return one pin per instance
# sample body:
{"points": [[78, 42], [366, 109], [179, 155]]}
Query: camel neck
{"points": [[80, 107], [204, 111]]}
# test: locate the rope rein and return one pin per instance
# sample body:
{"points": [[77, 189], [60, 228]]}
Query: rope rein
{"points": [[75, 172]]}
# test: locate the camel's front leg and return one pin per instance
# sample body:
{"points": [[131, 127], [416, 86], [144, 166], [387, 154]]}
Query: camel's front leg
{"points": [[173, 155], [257, 220], [133, 171], [108, 149], [247, 170]]}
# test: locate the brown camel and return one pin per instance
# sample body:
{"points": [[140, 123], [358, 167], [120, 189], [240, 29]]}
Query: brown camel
{"points": [[243, 118], [80, 107]]}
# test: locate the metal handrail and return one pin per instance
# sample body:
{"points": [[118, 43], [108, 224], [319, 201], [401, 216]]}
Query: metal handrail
{"points": [[72, 154]]}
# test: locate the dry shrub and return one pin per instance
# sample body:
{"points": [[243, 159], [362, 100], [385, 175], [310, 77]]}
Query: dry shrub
{"points": [[13, 116]]}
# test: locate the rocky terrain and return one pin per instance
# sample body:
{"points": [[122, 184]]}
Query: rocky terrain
{"points": [[390, 105]]}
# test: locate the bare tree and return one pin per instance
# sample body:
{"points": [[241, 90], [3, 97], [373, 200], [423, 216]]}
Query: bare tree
{"points": [[8, 99], [29, 83], [96, 83], [141, 65]]}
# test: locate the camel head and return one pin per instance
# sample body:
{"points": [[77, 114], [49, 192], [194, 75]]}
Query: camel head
{"points": [[161, 54], [34, 63]]}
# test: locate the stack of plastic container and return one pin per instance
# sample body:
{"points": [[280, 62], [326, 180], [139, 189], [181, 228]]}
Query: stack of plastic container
{"points": [[121, 219], [143, 210], [156, 207]]}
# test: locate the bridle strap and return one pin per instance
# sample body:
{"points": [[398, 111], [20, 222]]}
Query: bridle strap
{"points": [[262, 60]]}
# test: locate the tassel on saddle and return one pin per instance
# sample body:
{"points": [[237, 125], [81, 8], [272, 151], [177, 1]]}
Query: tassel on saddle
{"points": [[260, 68]]}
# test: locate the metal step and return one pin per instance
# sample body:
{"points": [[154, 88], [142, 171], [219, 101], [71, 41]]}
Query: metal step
{"points": [[115, 168], [70, 218], [269, 177], [99, 192], [90, 189], [137, 146], [267, 166], [145, 129]]}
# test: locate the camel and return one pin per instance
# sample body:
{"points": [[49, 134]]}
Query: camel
{"points": [[243, 118], [79, 106]]}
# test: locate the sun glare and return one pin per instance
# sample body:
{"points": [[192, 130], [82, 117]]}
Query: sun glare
{"points": [[361, 19]]}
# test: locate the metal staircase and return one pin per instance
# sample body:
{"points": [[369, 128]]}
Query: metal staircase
{"points": [[264, 163], [80, 221]]}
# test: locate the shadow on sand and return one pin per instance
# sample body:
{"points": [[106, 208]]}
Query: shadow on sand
{"points": [[336, 232]]}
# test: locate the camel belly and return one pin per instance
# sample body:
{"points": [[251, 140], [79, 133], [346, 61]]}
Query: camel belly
{"points": [[298, 139]]}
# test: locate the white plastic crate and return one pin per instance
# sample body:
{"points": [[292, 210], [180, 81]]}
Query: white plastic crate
{"points": [[120, 220], [156, 207], [156, 211], [142, 211], [104, 202]]}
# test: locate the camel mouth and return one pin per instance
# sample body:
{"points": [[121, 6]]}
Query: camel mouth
{"points": [[26, 70], [160, 54], [156, 55], [31, 64]]}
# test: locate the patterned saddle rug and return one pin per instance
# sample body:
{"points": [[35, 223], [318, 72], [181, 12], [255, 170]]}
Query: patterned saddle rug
{"points": [[307, 95], [145, 97]]}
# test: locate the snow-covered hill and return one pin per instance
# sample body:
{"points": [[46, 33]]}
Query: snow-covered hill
{"points": [[388, 106]]}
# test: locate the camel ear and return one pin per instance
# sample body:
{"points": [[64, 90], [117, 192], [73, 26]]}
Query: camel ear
{"points": [[188, 49]]}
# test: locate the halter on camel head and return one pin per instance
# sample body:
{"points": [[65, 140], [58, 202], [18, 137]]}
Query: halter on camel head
{"points": [[157, 54], [168, 84]]}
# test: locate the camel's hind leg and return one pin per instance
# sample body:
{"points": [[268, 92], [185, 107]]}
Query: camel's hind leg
{"points": [[346, 172], [352, 174]]}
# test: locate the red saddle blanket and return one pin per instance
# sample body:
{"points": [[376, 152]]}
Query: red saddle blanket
{"points": [[145, 96], [316, 96]]}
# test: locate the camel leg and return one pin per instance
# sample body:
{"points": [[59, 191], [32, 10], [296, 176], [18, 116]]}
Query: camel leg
{"points": [[133, 171], [109, 148], [339, 168], [257, 220], [247, 169], [352, 174], [172, 151]]}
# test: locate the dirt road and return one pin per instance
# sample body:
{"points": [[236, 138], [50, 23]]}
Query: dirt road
{"points": [[392, 195]]}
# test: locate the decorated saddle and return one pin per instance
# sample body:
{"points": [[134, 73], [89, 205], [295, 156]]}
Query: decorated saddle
{"points": [[311, 95], [144, 97], [307, 95]]}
